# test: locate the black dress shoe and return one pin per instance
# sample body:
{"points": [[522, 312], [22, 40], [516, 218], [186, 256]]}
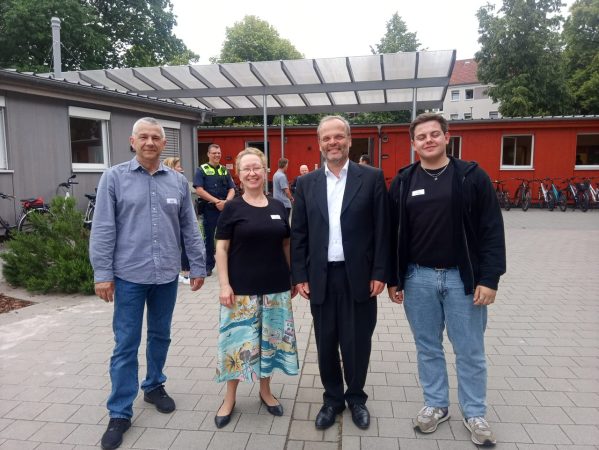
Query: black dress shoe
{"points": [[276, 410], [221, 421], [360, 415], [159, 398], [113, 436], [326, 416]]}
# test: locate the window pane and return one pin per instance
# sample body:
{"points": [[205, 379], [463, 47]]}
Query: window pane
{"points": [[469, 94], [3, 164], [507, 157], [173, 146], [455, 95], [87, 141], [453, 117], [453, 148], [587, 149], [523, 150]]}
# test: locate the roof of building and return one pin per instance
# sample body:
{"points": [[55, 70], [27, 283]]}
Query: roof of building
{"points": [[464, 72]]}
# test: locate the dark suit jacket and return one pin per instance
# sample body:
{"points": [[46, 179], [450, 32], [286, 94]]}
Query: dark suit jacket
{"points": [[364, 227]]}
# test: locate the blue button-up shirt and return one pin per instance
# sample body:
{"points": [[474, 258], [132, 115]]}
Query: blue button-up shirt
{"points": [[138, 224]]}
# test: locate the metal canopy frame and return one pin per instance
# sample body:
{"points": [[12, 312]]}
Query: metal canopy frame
{"points": [[385, 82]]}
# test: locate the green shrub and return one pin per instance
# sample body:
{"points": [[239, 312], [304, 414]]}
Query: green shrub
{"points": [[54, 257]]}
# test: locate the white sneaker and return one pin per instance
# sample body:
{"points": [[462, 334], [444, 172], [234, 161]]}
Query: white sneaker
{"points": [[184, 280], [480, 431]]}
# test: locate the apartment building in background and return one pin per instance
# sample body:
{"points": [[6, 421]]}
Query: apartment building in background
{"points": [[466, 97]]}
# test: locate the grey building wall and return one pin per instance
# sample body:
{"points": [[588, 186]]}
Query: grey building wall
{"points": [[39, 152]]}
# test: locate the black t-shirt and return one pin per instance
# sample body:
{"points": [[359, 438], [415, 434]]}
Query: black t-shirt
{"points": [[430, 222], [256, 261]]}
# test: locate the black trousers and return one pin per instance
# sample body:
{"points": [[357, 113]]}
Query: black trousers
{"points": [[340, 322]]}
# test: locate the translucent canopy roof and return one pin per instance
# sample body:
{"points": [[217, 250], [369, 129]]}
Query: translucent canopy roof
{"points": [[386, 82]]}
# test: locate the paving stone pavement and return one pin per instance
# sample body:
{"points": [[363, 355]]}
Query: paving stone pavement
{"points": [[542, 345]]}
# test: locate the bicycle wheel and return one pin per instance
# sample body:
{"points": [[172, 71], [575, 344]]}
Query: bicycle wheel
{"points": [[526, 201], [562, 201], [25, 225], [506, 201], [584, 201], [550, 201]]}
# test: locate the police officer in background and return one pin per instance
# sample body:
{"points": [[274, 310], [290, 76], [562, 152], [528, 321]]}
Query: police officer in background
{"points": [[214, 187]]}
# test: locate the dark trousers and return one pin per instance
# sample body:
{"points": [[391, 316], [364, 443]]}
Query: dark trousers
{"points": [[340, 322], [210, 218]]}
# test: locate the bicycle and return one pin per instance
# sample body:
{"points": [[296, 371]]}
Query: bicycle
{"points": [[592, 190], [522, 195], [29, 206], [579, 196], [503, 196], [558, 197], [546, 198], [89, 211], [66, 189]]}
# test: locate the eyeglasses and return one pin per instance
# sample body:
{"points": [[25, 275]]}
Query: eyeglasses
{"points": [[247, 170]]}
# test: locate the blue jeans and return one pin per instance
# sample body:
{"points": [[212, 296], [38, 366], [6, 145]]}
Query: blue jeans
{"points": [[435, 299], [129, 302], [210, 218]]}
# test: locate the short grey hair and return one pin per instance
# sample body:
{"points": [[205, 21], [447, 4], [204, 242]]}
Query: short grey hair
{"points": [[148, 120], [328, 119]]}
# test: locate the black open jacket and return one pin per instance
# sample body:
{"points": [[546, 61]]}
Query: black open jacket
{"points": [[478, 227]]}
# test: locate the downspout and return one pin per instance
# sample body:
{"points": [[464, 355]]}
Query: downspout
{"points": [[380, 134]]}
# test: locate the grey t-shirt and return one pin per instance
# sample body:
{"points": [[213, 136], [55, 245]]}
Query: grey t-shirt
{"points": [[279, 184]]}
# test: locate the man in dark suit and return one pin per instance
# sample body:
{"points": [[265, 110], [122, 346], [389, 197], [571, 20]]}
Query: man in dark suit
{"points": [[339, 242]]}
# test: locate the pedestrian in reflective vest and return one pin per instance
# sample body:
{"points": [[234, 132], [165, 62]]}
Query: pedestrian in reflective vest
{"points": [[214, 187]]}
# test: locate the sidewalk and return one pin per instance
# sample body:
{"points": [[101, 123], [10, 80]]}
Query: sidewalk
{"points": [[542, 345]]}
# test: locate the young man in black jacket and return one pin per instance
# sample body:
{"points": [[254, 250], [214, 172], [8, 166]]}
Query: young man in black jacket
{"points": [[449, 252]]}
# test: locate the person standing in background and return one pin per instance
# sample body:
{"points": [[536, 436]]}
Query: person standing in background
{"points": [[280, 189], [214, 186]]}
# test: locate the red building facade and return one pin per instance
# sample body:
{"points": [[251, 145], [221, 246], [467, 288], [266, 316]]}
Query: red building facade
{"points": [[559, 147]]}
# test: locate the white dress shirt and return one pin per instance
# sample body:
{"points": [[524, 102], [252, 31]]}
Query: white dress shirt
{"points": [[335, 191]]}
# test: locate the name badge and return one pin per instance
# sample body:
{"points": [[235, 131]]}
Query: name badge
{"points": [[275, 216], [171, 201], [418, 192]]}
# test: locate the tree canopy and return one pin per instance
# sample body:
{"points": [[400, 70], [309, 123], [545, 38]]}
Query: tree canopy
{"points": [[397, 38], [94, 34], [254, 39], [581, 35], [521, 57]]}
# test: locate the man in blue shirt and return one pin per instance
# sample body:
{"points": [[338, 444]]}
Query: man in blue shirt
{"points": [[280, 185], [214, 187], [142, 210]]}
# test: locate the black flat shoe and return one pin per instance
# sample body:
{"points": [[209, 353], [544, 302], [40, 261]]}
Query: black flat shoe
{"points": [[326, 416], [360, 415], [221, 421], [276, 410]]}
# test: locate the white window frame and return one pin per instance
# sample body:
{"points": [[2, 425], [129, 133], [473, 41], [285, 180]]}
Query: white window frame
{"points": [[169, 150], [93, 114], [451, 116], [515, 167], [3, 149], [584, 166], [459, 146], [467, 116], [455, 91], [493, 114]]}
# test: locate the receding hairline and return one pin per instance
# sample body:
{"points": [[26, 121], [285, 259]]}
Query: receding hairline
{"points": [[148, 121], [326, 119]]}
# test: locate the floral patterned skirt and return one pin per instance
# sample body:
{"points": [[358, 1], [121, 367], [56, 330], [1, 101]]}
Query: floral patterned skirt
{"points": [[256, 336]]}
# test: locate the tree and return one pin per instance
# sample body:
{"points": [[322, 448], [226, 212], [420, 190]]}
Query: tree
{"points": [[521, 57], [581, 35], [94, 34], [254, 39], [397, 38]]}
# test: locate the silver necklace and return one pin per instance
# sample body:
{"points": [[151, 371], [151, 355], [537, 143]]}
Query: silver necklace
{"points": [[435, 175]]}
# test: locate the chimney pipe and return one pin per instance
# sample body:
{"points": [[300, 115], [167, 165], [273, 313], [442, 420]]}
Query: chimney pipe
{"points": [[56, 47]]}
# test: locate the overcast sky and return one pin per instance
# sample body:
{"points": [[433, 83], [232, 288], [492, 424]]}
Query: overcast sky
{"points": [[321, 29]]}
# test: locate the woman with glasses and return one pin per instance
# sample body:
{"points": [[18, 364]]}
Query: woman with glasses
{"points": [[256, 332]]}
